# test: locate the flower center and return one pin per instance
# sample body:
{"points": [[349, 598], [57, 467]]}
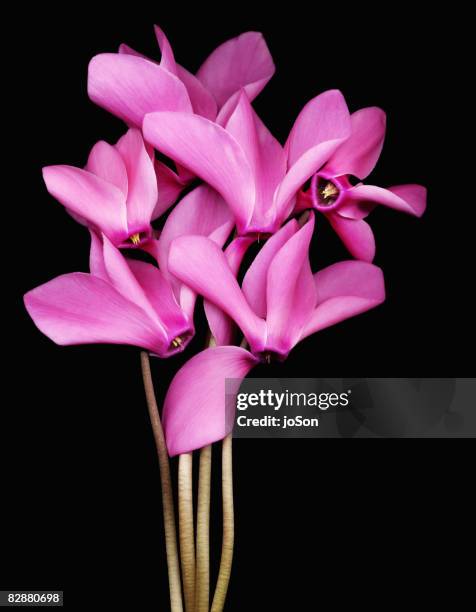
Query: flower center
{"points": [[176, 342], [180, 341], [269, 357], [327, 192], [135, 239]]}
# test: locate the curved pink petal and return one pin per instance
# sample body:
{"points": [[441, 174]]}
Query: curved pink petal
{"points": [[105, 161], [123, 280], [360, 152], [227, 110], [167, 60], [97, 267], [160, 295], [255, 280], [203, 102], [242, 62], [290, 291], [199, 406], [126, 50], [265, 155], [201, 264], [142, 193], [325, 117], [89, 196], [410, 199], [130, 87], [221, 325], [210, 152], [83, 309], [356, 234], [187, 299], [414, 196], [351, 208], [344, 290]]}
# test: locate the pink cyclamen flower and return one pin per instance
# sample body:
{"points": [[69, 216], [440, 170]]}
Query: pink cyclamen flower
{"points": [[115, 194], [280, 303], [130, 85], [346, 205], [120, 302], [256, 176]]}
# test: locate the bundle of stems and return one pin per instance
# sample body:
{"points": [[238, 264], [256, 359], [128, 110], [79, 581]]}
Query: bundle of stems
{"points": [[190, 570]]}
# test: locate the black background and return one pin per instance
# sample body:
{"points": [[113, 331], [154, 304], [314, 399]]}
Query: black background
{"points": [[316, 519]]}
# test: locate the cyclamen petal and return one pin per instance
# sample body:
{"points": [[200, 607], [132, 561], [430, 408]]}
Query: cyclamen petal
{"points": [[255, 279], [410, 199], [142, 181], [221, 325], [356, 234], [100, 203], [290, 293], [345, 290], [106, 162], [360, 152], [325, 117], [167, 60], [413, 195], [129, 87], [97, 265], [161, 297], [243, 62], [82, 309], [203, 103], [198, 410]]}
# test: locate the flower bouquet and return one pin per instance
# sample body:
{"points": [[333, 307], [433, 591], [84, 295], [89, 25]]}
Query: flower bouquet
{"points": [[240, 211]]}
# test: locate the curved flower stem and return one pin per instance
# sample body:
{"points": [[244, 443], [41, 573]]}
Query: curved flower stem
{"points": [[228, 527], [202, 575], [167, 495], [186, 531]]}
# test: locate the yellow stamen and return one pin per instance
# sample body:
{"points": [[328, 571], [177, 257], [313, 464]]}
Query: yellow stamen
{"points": [[176, 342], [329, 191], [135, 239]]}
